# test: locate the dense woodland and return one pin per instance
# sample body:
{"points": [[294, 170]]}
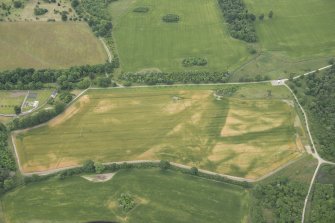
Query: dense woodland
{"points": [[323, 203], [316, 93], [152, 78], [283, 197], [95, 13], [7, 162], [240, 21]]}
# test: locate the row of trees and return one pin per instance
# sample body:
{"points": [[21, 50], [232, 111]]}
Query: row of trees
{"points": [[240, 21], [37, 118], [320, 106], [74, 77], [152, 78], [7, 162], [194, 61]]}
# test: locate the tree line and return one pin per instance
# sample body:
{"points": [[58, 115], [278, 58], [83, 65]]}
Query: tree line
{"points": [[75, 77], [240, 21], [7, 162], [152, 78]]}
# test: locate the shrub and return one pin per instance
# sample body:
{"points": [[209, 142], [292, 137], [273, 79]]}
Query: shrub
{"points": [[141, 9], [40, 11], [126, 202], [99, 167], [164, 165], [194, 61], [88, 166], [170, 18], [194, 171], [18, 4]]}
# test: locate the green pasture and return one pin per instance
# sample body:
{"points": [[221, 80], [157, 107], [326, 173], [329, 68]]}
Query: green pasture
{"points": [[247, 135], [300, 37], [145, 42], [160, 197], [48, 45], [10, 99]]}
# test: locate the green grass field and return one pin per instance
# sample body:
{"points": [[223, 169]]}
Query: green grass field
{"points": [[300, 37], [10, 99], [145, 42], [48, 45], [160, 197], [301, 28], [247, 135]]}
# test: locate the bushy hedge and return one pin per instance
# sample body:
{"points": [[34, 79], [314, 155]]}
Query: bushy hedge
{"points": [[152, 78], [171, 18], [194, 61], [141, 9], [240, 21]]}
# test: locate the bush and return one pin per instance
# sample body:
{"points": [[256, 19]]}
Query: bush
{"points": [[17, 4], [141, 9], [194, 171], [170, 18], [40, 11], [126, 202], [104, 81], [88, 166], [99, 168], [164, 165], [66, 97], [194, 61]]}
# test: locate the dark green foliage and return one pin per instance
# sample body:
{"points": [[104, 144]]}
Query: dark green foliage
{"points": [[323, 204], [65, 97], [226, 92], [171, 18], [153, 78], [285, 198], [88, 166], [7, 162], [74, 3], [104, 81], [40, 11], [331, 61], [17, 109], [164, 165], [240, 21], [270, 14], [194, 171], [36, 118], [320, 106], [257, 78], [64, 16], [126, 202], [194, 61], [96, 13], [141, 9], [74, 77], [18, 4]]}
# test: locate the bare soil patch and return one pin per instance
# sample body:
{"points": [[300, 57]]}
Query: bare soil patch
{"points": [[99, 178]]}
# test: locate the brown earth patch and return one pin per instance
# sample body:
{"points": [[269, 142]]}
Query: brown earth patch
{"points": [[70, 112], [104, 106], [257, 121], [176, 129], [150, 153]]}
